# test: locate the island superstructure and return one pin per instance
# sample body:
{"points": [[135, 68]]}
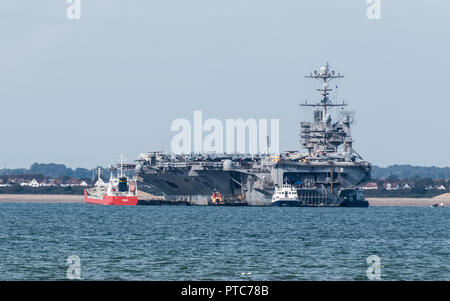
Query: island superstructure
{"points": [[326, 174]]}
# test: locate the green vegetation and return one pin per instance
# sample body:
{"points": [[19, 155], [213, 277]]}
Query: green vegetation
{"points": [[409, 172], [419, 187], [17, 189], [52, 170]]}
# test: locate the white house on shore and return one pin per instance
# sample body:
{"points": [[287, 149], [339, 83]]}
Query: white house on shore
{"points": [[442, 187], [370, 186], [33, 183], [390, 186], [406, 186]]}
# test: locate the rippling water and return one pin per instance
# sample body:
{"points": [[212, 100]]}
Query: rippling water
{"points": [[221, 243]]}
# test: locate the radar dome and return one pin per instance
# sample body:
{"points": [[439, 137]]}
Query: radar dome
{"points": [[323, 70]]}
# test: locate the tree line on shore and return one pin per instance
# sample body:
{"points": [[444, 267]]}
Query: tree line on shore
{"points": [[409, 172], [50, 170]]}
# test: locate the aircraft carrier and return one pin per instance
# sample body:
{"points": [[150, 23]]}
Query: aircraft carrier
{"points": [[327, 173]]}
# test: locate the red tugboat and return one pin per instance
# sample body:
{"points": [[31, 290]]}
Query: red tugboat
{"points": [[120, 190], [216, 199]]}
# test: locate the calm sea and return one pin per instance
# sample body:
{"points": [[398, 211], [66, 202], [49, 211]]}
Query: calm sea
{"points": [[222, 243]]}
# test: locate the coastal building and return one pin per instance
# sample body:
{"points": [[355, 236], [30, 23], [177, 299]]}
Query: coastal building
{"points": [[33, 183], [406, 186], [441, 187], [52, 183], [370, 186], [74, 182], [390, 186], [100, 182]]}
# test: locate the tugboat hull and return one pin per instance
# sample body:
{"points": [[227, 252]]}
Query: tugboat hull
{"points": [[286, 203], [363, 204]]}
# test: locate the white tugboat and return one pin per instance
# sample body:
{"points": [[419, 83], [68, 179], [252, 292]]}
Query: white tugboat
{"points": [[285, 196]]}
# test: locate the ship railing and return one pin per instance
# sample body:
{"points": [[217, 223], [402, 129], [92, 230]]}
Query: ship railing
{"points": [[189, 164]]}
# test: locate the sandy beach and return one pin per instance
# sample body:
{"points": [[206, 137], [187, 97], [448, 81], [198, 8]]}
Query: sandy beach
{"points": [[41, 198], [441, 199]]}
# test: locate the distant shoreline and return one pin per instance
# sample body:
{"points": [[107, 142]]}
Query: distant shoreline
{"points": [[407, 202], [66, 198], [41, 198]]}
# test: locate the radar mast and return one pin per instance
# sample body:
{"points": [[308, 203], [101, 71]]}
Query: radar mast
{"points": [[324, 75], [322, 137]]}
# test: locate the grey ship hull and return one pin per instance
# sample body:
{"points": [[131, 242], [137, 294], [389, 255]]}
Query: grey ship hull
{"points": [[327, 175], [331, 184]]}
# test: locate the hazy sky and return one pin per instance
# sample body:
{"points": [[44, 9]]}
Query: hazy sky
{"points": [[82, 92]]}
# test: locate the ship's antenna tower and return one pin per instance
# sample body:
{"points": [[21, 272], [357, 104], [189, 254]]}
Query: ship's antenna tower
{"points": [[324, 75], [121, 165]]}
